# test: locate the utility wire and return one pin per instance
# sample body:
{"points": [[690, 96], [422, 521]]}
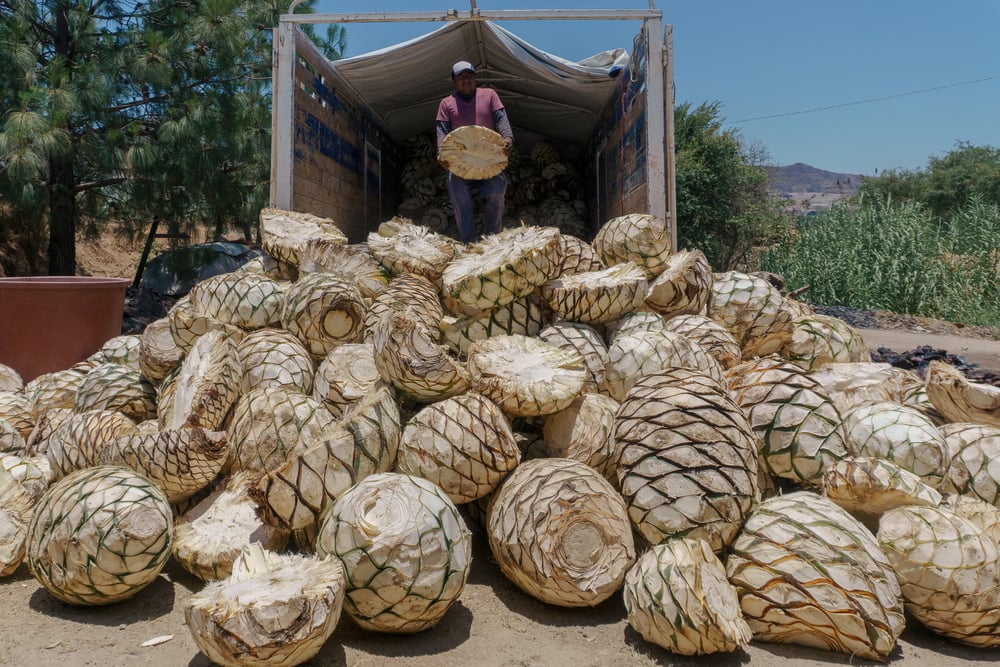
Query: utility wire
{"points": [[868, 101]]}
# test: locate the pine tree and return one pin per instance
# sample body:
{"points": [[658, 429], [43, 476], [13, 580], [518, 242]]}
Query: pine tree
{"points": [[134, 110]]}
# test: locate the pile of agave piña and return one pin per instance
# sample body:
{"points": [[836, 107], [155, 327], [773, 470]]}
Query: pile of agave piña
{"points": [[313, 433]]}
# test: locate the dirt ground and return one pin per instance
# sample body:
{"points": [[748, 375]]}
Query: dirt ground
{"points": [[493, 623]]}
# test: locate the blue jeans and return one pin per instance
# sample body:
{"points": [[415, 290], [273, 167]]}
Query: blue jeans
{"points": [[492, 191]]}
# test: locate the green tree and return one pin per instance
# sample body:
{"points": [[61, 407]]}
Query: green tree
{"points": [[130, 110], [947, 183], [723, 205]]}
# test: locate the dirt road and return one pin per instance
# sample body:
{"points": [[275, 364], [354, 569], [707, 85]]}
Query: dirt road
{"points": [[986, 353]]}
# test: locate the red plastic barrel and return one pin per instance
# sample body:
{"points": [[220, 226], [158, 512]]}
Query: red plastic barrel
{"points": [[49, 323]]}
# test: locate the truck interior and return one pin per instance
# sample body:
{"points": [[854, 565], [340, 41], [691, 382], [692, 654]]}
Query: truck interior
{"points": [[343, 131]]}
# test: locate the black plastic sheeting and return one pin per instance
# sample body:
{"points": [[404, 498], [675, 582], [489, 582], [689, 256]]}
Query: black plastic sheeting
{"points": [[174, 272]]}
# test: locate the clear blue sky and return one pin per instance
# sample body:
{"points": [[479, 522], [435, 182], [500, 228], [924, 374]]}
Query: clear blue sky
{"points": [[783, 56]]}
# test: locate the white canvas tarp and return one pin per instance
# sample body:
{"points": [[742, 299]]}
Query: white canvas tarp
{"points": [[543, 93]]}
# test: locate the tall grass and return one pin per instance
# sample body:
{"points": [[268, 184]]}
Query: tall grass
{"points": [[898, 257]]}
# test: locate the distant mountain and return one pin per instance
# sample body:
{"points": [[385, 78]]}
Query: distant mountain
{"points": [[798, 179]]}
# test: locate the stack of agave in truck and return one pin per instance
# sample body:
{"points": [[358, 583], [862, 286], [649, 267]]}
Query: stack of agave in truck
{"points": [[316, 433]]}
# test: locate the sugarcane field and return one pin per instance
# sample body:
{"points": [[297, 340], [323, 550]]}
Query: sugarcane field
{"points": [[526, 450]]}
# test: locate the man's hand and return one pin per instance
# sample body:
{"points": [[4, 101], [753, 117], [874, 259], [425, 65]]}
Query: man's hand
{"points": [[507, 144]]}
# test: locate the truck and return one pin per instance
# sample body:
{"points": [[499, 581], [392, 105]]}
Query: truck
{"points": [[339, 127]]}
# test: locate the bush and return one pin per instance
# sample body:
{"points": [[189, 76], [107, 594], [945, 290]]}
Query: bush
{"points": [[897, 256]]}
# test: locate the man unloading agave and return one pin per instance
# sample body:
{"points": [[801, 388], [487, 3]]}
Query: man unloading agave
{"points": [[471, 105]]}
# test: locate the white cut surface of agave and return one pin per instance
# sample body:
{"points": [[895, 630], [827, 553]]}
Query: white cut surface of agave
{"points": [[560, 532], [473, 152], [412, 249], [345, 376], [274, 609], [209, 537], [949, 572], [525, 376], [99, 536], [206, 386], [158, 351], [809, 573], [405, 550], [901, 434], [677, 596], [283, 234], [463, 444]]}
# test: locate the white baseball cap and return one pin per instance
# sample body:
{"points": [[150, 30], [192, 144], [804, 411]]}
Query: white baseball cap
{"points": [[462, 66]]}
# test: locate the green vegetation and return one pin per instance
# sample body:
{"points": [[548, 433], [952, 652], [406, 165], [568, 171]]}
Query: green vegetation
{"points": [[898, 256], [723, 206], [126, 111], [947, 182]]}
